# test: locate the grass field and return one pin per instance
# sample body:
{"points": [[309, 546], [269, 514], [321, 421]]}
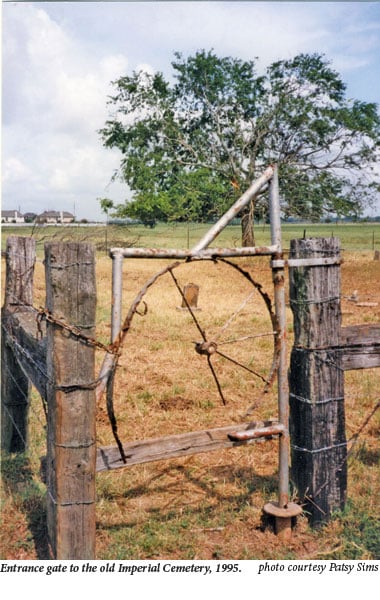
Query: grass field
{"points": [[207, 506], [361, 236]]}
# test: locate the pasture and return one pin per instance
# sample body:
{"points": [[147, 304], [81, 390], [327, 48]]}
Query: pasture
{"points": [[207, 506]]}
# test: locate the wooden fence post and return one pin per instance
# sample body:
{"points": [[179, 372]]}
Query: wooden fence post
{"points": [[71, 452], [316, 380], [20, 260]]}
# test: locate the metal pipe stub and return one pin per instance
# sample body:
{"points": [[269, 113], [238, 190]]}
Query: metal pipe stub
{"points": [[283, 517]]}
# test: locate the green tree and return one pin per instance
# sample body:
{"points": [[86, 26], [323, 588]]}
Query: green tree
{"points": [[192, 146], [106, 205]]}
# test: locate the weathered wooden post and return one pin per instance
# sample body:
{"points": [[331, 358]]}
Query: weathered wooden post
{"points": [[316, 379], [71, 452], [20, 260]]}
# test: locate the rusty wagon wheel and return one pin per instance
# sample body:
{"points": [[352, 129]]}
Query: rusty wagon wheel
{"points": [[210, 345]]}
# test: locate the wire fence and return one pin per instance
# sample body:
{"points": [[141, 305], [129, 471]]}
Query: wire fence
{"points": [[358, 237], [362, 432], [40, 313]]}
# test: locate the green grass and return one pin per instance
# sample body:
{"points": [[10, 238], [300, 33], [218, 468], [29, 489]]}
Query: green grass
{"points": [[360, 536], [206, 506], [361, 236]]}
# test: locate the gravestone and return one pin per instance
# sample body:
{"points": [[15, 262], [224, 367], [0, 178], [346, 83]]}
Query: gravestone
{"points": [[190, 297]]}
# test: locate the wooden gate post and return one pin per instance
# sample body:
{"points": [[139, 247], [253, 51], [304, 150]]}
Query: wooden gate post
{"points": [[20, 260], [316, 379], [71, 452]]}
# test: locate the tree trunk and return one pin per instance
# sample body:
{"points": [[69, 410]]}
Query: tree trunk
{"points": [[247, 232]]}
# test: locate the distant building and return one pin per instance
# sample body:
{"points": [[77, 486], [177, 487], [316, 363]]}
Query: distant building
{"points": [[12, 216], [55, 216]]}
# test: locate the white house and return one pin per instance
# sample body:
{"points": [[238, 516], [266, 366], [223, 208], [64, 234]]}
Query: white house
{"points": [[12, 216], [55, 216]]}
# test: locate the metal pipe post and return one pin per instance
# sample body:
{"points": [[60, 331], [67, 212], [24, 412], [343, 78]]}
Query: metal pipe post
{"points": [[274, 210], [117, 290], [233, 211], [283, 510], [279, 298]]}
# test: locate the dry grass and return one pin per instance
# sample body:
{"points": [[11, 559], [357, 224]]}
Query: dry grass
{"points": [[207, 506]]}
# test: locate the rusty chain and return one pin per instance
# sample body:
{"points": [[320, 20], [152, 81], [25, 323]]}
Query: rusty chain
{"points": [[43, 314]]}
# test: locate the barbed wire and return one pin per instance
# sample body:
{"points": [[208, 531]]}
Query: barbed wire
{"points": [[353, 441], [43, 314], [24, 441], [26, 396], [234, 315]]}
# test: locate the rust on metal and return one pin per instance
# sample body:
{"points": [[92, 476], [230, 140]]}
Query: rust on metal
{"points": [[275, 324], [251, 434], [206, 253], [283, 515], [206, 348], [209, 348], [290, 510]]}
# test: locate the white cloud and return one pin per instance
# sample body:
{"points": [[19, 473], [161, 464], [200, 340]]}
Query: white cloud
{"points": [[59, 60], [54, 103], [15, 170], [350, 63]]}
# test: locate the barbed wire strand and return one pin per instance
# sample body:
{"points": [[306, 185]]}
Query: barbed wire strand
{"points": [[233, 316], [28, 402], [15, 424], [353, 440]]}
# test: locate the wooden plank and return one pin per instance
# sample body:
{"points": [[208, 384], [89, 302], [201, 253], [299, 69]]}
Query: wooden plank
{"points": [[20, 260], [360, 358], [360, 335], [71, 295], [21, 330], [183, 444], [361, 346], [317, 419]]}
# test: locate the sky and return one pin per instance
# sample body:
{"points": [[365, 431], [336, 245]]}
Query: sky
{"points": [[59, 58]]}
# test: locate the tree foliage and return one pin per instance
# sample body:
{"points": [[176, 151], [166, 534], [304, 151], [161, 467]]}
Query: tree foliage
{"points": [[192, 145]]}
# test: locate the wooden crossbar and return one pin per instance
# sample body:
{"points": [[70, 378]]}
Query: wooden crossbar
{"points": [[361, 346], [185, 444]]}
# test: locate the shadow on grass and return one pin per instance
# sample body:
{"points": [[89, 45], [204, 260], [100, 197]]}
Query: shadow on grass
{"points": [[182, 513], [368, 457], [17, 480], [248, 482]]}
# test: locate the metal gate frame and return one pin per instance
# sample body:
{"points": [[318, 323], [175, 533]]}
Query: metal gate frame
{"points": [[282, 510]]}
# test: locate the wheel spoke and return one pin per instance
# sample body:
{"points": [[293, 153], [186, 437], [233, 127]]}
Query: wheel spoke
{"points": [[188, 306], [216, 381], [235, 362]]}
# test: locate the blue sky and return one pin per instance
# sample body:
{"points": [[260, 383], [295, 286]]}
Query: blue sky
{"points": [[59, 59]]}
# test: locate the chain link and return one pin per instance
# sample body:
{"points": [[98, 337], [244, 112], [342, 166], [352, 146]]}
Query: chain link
{"points": [[45, 314]]}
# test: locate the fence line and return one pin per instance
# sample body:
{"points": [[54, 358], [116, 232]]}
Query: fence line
{"points": [[354, 347], [61, 366]]}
